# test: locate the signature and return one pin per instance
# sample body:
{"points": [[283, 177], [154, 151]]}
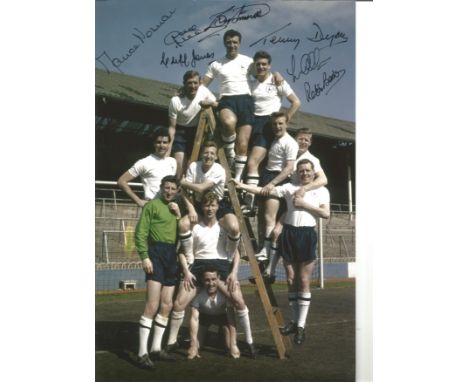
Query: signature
{"points": [[328, 82], [141, 36], [335, 39], [184, 60], [219, 21], [275, 39], [308, 62]]}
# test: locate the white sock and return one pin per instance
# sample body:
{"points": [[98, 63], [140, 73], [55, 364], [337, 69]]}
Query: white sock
{"points": [[303, 301], [231, 245], [160, 324], [244, 321], [267, 241], [240, 162], [251, 179], [144, 332], [176, 322], [228, 145], [186, 242], [292, 299], [271, 269]]}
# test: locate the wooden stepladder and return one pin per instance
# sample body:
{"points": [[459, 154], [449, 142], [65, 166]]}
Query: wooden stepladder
{"points": [[207, 125]]}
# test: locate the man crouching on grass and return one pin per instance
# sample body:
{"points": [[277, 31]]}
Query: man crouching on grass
{"points": [[210, 308], [155, 240]]}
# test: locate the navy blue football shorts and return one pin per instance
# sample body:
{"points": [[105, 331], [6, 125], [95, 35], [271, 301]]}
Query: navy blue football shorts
{"points": [[184, 139], [241, 105], [297, 244], [164, 259], [262, 134]]}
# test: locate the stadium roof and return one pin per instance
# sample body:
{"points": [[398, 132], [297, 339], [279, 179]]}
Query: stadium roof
{"points": [[157, 94]]}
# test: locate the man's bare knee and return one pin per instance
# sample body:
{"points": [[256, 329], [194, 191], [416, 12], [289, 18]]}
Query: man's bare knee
{"points": [[151, 309], [165, 308], [184, 224], [229, 223]]}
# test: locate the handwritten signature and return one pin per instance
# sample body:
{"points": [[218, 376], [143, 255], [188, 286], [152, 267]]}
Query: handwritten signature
{"points": [[105, 60], [272, 38], [328, 82], [335, 39], [219, 21], [184, 60], [308, 62]]}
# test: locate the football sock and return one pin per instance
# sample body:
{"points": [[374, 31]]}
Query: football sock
{"points": [[176, 322], [303, 300], [186, 242], [244, 320], [160, 324], [231, 246], [239, 164], [228, 145], [144, 332]]}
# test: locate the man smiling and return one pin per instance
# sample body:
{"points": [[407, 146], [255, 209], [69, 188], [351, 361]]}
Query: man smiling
{"points": [[184, 114], [155, 240], [235, 106], [281, 158], [202, 176], [150, 169], [297, 244], [267, 97]]}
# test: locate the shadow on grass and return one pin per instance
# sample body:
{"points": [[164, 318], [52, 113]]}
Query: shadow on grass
{"points": [[121, 339]]}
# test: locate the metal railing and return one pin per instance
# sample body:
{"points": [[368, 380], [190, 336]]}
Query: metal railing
{"points": [[112, 242]]}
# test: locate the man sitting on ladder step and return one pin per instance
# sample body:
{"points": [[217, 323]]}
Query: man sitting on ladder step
{"points": [[184, 115]]}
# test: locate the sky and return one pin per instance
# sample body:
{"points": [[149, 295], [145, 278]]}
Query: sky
{"points": [[312, 43]]}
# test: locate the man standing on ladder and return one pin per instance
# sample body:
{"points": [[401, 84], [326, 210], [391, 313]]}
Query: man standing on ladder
{"points": [[297, 244], [235, 106]]}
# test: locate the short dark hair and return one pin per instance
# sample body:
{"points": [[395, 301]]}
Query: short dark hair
{"points": [[170, 179], [262, 54], [279, 114], [209, 144], [161, 132], [211, 269], [232, 33], [305, 161], [190, 74]]}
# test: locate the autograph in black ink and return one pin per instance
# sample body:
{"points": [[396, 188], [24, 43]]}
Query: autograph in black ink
{"points": [[335, 39], [272, 38], [141, 36], [184, 60], [328, 82], [220, 21], [308, 62]]}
